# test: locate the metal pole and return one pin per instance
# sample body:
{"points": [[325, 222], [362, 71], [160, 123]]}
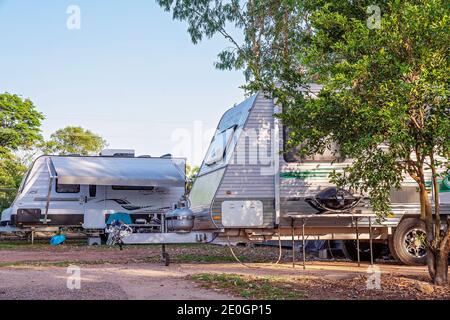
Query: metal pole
{"points": [[49, 191], [47, 203], [293, 243], [163, 230], [370, 240], [357, 242], [276, 164], [303, 244]]}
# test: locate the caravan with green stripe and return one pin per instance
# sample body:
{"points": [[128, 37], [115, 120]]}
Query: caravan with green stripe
{"points": [[249, 187]]}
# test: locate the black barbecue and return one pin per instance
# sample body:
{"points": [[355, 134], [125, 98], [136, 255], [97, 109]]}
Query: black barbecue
{"points": [[333, 199]]}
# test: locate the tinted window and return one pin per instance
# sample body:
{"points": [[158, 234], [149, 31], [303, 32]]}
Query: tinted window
{"points": [[67, 188], [92, 191]]}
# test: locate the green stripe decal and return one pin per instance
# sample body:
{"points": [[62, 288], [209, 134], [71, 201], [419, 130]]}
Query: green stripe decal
{"points": [[444, 184], [304, 174]]}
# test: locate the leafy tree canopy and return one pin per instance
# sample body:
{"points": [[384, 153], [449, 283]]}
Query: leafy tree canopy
{"points": [[11, 172], [74, 140], [385, 95], [19, 123]]}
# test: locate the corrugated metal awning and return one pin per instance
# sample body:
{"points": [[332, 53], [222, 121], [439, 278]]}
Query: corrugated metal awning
{"points": [[119, 171]]}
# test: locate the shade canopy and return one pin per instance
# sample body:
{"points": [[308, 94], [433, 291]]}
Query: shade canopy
{"points": [[120, 171]]}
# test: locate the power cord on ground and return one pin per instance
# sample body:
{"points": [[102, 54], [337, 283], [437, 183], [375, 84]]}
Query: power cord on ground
{"points": [[254, 267], [236, 258]]}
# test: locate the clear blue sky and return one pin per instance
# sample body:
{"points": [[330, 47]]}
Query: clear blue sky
{"points": [[130, 73]]}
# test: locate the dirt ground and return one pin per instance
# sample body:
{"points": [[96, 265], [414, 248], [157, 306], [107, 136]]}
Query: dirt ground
{"points": [[41, 271]]}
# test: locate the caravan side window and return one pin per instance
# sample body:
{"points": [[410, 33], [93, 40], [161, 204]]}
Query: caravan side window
{"points": [[293, 156], [67, 188], [219, 146], [92, 191]]}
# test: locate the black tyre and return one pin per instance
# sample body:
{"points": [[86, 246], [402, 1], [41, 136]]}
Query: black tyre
{"points": [[351, 252], [408, 242], [391, 248]]}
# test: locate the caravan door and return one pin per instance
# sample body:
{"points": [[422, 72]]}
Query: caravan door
{"points": [[65, 203], [94, 207]]}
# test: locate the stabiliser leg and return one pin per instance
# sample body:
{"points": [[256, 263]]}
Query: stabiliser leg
{"points": [[165, 258]]}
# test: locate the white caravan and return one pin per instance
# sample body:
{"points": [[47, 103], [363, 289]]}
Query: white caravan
{"points": [[81, 192], [249, 189]]}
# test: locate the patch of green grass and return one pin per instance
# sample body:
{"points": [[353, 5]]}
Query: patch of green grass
{"points": [[47, 263], [206, 258], [22, 246], [249, 287], [37, 245], [64, 263]]}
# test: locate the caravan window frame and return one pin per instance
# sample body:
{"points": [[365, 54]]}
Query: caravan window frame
{"points": [[292, 157], [76, 186], [225, 146]]}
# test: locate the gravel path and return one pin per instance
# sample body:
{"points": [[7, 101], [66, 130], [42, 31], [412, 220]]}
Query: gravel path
{"points": [[40, 272], [141, 281], [155, 281]]}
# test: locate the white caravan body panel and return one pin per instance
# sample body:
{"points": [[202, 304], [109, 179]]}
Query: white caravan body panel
{"points": [[141, 187]]}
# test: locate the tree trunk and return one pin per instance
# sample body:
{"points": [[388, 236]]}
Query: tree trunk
{"points": [[437, 260], [441, 267]]}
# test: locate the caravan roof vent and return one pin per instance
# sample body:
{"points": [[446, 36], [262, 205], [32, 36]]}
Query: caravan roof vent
{"points": [[126, 153]]}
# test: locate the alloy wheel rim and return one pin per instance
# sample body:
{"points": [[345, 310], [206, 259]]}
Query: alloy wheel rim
{"points": [[414, 243]]}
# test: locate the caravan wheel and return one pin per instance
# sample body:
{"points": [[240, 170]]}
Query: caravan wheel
{"points": [[408, 242], [391, 248]]}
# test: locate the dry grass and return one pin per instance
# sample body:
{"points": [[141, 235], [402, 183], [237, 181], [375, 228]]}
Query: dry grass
{"points": [[298, 288], [260, 288]]}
